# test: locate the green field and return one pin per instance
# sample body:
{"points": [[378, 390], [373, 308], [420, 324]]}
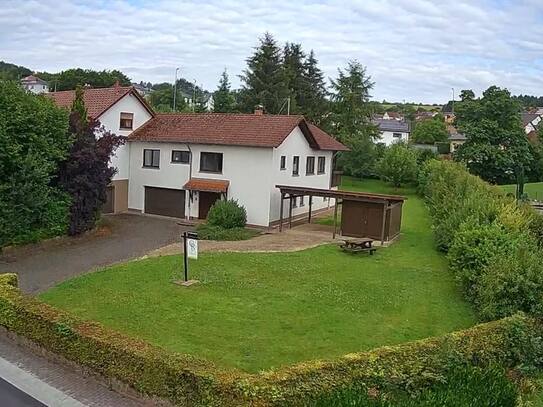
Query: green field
{"points": [[534, 190], [258, 311]]}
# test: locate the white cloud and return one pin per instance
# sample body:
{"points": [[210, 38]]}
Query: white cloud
{"points": [[414, 49]]}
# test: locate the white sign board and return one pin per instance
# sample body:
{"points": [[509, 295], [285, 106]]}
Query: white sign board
{"points": [[192, 248]]}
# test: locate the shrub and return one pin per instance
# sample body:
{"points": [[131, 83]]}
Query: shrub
{"points": [[443, 147], [487, 236], [464, 386], [398, 165], [211, 232], [227, 214]]}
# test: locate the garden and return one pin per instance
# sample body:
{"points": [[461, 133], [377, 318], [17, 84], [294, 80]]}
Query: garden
{"points": [[321, 327], [259, 311]]}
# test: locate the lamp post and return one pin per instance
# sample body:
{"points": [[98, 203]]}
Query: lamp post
{"points": [[452, 101], [175, 89]]}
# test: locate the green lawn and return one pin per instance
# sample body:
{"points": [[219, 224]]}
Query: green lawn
{"points": [[257, 311], [534, 190]]}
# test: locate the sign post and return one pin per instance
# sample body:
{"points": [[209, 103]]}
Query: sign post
{"points": [[190, 251]]}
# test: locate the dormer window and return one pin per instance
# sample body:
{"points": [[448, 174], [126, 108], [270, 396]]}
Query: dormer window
{"points": [[127, 120]]}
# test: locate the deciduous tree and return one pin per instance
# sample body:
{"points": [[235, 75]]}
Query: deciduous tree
{"points": [[430, 131], [86, 173], [398, 165], [497, 148]]}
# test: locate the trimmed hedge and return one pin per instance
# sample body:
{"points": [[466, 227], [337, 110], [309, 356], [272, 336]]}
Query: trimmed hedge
{"points": [[494, 245], [188, 381]]}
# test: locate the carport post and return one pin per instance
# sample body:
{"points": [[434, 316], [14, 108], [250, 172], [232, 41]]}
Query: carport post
{"points": [[281, 212], [290, 212], [310, 203], [335, 218], [385, 209]]}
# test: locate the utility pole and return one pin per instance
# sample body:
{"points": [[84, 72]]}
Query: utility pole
{"points": [[452, 100], [193, 95], [288, 106], [175, 89]]}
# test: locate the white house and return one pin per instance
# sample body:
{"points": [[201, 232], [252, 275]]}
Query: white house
{"points": [[392, 131], [179, 164], [121, 110], [34, 84], [530, 121]]}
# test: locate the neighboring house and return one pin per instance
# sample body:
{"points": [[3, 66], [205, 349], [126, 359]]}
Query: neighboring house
{"points": [[121, 110], [34, 84], [392, 116], [424, 115], [179, 164], [530, 121], [392, 131], [456, 139], [142, 89]]}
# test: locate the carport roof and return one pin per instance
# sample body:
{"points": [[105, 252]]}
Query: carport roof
{"points": [[347, 195], [207, 185]]}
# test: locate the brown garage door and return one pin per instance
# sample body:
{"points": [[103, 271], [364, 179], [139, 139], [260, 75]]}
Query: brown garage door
{"points": [[109, 206], [165, 201]]}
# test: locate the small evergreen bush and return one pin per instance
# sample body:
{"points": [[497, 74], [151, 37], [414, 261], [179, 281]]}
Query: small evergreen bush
{"points": [[227, 214]]}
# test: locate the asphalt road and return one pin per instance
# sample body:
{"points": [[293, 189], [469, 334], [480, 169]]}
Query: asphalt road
{"points": [[11, 396]]}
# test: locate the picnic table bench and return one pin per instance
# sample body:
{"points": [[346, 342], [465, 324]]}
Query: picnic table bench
{"points": [[364, 244]]}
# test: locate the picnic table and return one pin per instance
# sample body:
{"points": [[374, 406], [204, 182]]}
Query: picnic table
{"points": [[364, 244]]}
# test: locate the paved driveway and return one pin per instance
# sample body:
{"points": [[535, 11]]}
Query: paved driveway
{"points": [[125, 237]]}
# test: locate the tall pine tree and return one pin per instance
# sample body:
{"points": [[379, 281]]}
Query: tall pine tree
{"points": [[224, 100], [263, 82], [314, 102], [351, 119], [293, 65]]}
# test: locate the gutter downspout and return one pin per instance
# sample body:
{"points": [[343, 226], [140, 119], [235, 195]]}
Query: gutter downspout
{"points": [[190, 177]]}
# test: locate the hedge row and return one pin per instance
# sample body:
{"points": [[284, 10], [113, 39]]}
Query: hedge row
{"points": [[494, 245], [188, 381]]}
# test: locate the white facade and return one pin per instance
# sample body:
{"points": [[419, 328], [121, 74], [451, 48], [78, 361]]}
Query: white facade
{"points": [[111, 120], [36, 87], [390, 137], [252, 173]]}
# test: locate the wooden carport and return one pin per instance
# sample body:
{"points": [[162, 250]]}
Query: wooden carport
{"points": [[363, 214]]}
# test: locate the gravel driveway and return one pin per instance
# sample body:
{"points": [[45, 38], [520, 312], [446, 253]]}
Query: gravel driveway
{"points": [[124, 237]]}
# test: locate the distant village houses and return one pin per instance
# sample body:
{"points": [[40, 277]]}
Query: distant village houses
{"points": [[34, 84]]}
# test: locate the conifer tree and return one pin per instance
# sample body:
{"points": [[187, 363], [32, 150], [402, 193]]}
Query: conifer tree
{"points": [[314, 101], [293, 65], [223, 98], [263, 81]]}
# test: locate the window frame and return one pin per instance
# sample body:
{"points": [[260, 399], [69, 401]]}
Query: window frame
{"points": [[181, 162], [302, 201], [121, 127], [283, 163], [294, 202], [153, 151], [396, 134], [310, 170], [321, 159], [221, 162], [296, 165]]}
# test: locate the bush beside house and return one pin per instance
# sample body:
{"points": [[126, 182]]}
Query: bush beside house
{"points": [[226, 220], [493, 244]]}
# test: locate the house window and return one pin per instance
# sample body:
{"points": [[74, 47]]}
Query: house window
{"points": [[310, 166], [210, 162], [295, 165], [302, 203], [151, 158], [294, 202], [397, 135], [321, 165], [283, 162], [182, 157], [126, 121]]}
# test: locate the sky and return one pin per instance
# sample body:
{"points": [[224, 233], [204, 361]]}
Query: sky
{"points": [[414, 50]]}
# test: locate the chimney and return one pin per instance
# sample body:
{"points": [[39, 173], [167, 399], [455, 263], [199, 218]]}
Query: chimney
{"points": [[259, 110]]}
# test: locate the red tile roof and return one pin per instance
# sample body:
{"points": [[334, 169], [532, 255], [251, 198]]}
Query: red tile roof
{"points": [[231, 129], [97, 100], [208, 185]]}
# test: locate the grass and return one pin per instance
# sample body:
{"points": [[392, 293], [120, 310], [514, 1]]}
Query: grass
{"points": [[210, 232], [258, 311], [534, 190]]}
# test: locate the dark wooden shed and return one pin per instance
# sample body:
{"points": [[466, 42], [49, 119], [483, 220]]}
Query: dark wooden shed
{"points": [[376, 216]]}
